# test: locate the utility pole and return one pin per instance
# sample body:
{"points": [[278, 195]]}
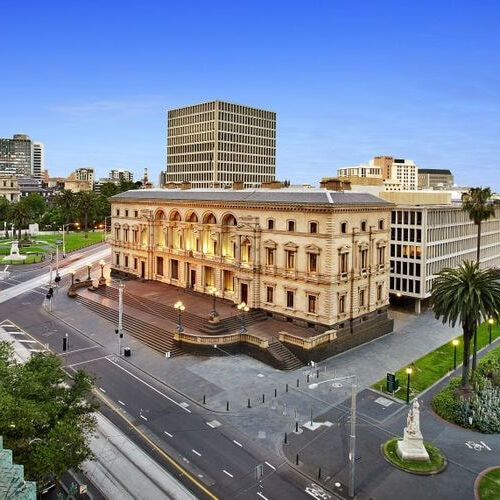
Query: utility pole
{"points": [[352, 439], [121, 286]]}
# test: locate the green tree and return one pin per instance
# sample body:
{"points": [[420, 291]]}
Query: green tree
{"points": [[109, 189], [466, 295], [4, 214], [53, 218], [477, 203], [44, 421], [66, 200], [86, 203], [36, 205]]}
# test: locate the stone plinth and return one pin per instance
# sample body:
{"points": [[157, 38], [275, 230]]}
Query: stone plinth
{"points": [[412, 446]]}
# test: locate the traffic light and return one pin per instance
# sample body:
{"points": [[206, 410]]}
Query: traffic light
{"points": [[50, 293]]}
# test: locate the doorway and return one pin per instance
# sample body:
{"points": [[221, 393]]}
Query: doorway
{"points": [[192, 278], [143, 269], [244, 293]]}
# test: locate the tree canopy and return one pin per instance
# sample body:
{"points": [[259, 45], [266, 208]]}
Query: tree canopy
{"points": [[46, 422]]}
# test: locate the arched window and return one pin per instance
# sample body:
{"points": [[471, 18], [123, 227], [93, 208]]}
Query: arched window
{"points": [[209, 218], [270, 223], [313, 227], [160, 215], [229, 220], [363, 226], [175, 216], [381, 224], [192, 217], [343, 227]]}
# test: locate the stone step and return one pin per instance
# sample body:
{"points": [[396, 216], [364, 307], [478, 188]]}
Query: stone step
{"points": [[284, 356]]}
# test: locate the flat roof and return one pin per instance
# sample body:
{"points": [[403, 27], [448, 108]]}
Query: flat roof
{"points": [[280, 196]]}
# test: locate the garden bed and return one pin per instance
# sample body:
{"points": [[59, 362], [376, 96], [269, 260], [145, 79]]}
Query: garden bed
{"points": [[489, 485]]}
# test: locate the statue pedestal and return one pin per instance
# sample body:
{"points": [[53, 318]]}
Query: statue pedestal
{"points": [[412, 448]]}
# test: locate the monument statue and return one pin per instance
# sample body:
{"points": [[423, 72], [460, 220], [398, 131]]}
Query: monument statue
{"points": [[411, 447], [14, 252]]}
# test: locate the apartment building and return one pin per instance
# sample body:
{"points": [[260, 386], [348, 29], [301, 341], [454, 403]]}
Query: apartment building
{"points": [[216, 143], [398, 169], [435, 178]]}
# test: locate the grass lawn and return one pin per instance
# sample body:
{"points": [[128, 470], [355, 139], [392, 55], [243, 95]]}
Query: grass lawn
{"points": [[46, 242], [436, 458], [435, 365], [489, 487]]}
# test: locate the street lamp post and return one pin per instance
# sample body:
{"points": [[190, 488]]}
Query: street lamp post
{"points": [[408, 373], [89, 267], [490, 324], [214, 312], [352, 437], [72, 274], [121, 287], [102, 279], [180, 307], [243, 308], [455, 344]]}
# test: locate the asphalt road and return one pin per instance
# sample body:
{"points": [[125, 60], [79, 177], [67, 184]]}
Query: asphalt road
{"points": [[212, 461]]}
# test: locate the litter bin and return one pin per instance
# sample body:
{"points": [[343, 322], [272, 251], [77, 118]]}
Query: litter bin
{"points": [[126, 352]]}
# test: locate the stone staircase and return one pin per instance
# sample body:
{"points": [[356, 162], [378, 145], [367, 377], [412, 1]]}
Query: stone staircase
{"points": [[189, 319], [286, 359], [157, 338]]}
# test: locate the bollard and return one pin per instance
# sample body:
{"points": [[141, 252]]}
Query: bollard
{"points": [[298, 382], [286, 438], [286, 388], [248, 404], [204, 399], [227, 406], [296, 427], [317, 373], [275, 392], [319, 473], [263, 398], [308, 378], [297, 459]]}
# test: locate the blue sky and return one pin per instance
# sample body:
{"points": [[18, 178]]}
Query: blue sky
{"points": [[348, 80]]}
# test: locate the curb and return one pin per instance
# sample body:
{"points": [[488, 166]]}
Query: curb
{"points": [[478, 480]]}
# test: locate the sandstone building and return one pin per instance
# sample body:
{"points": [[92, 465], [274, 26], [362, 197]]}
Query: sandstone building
{"points": [[315, 257]]}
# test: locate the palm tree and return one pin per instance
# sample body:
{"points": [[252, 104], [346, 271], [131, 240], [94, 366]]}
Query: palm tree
{"points": [[478, 204], [20, 215], [67, 201], [467, 295], [87, 204]]}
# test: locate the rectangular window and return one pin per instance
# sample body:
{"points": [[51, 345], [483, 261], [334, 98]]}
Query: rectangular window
{"points": [[290, 259], [270, 224], [343, 262], [118, 212], [381, 256], [364, 259], [174, 269], [311, 303], [126, 260], [362, 297], [341, 304], [126, 213], [270, 294], [135, 263], [136, 213], [159, 266], [270, 256], [313, 227], [290, 298], [291, 225], [117, 259], [313, 263], [380, 289]]}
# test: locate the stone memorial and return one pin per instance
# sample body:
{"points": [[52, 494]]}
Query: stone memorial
{"points": [[14, 252], [411, 447]]}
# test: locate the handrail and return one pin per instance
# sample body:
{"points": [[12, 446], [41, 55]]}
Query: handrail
{"points": [[308, 343]]}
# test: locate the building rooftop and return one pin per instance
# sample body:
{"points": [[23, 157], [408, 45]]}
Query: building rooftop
{"points": [[303, 196], [442, 171]]}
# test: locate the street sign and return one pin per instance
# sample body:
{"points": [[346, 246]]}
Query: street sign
{"points": [[168, 354], [392, 382], [83, 489]]}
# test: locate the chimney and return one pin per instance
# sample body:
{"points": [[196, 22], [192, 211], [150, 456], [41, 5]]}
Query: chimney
{"points": [[238, 185]]}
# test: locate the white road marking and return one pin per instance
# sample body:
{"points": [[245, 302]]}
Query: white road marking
{"points": [[226, 472], [196, 453], [168, 434], [27, 341], [80, 350], [121, 402], [236, 442], [89, 361], [210, 425], [270, 465], [259, 494], [485, 445], [101, 389], [150, 386], [143, 417]]}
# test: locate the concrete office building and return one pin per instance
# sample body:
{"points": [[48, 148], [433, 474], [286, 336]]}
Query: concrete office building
{"points": [[430, 232], [435, 178], [314, 257], [368, 171], [397, 169], [21, 156], [119, 175], [216, 143]]}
